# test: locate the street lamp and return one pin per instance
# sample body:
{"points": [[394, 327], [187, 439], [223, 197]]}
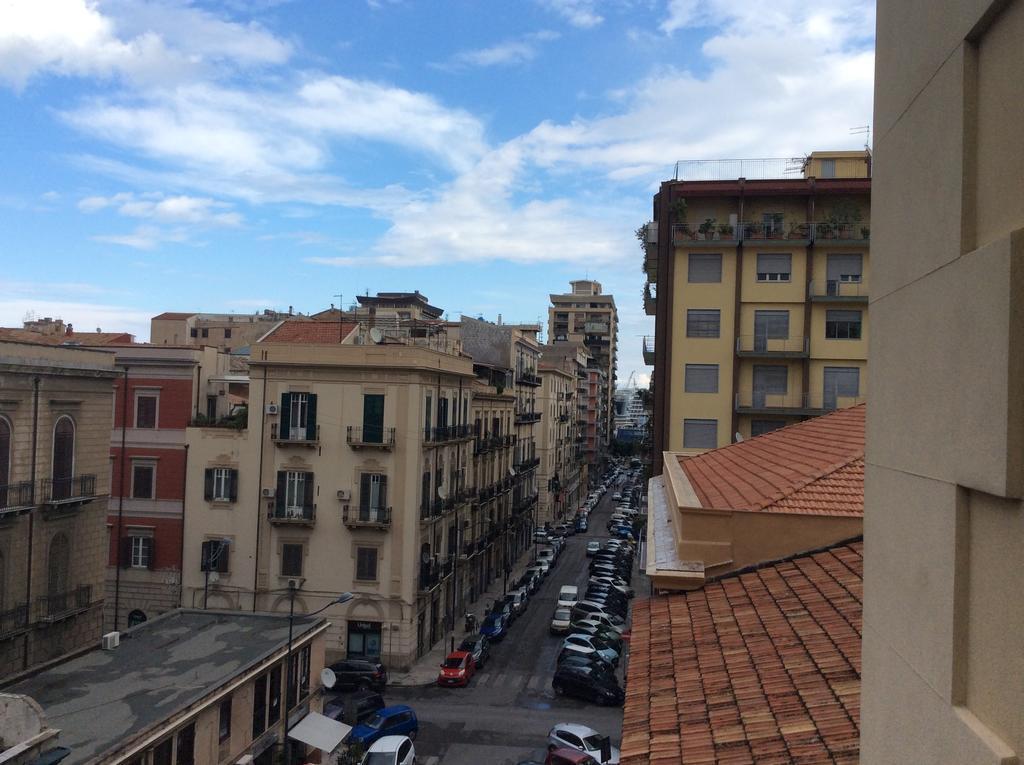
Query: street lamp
{"points": [[293, 588]]}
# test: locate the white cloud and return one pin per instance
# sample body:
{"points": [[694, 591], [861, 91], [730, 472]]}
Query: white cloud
{"points": [[680, 14], [144, 237], [579, 13], [84, 316], [505, 53]]}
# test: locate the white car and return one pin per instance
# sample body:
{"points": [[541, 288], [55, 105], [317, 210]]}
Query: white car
{"points": [[560, 621], [592, 547], [390, 750], [616, 496], [567, 596], [582, 739]]}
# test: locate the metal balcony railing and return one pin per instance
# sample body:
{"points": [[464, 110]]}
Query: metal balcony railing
{"points": [[370, 437], [54, 491], [648, 349], [798, 403], [837, 290], [295, 437], [713, 230], [16, 496], [296, 515], [762, 345], [430, 510], [841, 232], [13, 620], [523, 418], [52, 607], [731, 169], [447, 433], [527, 378], [370, 517]]}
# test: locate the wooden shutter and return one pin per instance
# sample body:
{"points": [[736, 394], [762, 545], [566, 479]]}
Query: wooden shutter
{"points": [[204, 558], [282, 490], [286, 415], [307, 501], [311, 418], [382, 492], [364, 491], [208, 484], [126, 552], [373, 418], [149, 546], [233, 485]]}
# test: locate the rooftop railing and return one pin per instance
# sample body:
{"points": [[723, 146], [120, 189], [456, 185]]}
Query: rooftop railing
{"points": [[730, 169]]}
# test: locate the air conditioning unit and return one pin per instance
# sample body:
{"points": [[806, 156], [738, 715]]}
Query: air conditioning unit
{"points": [[273, 408], [111, 641], [267, 493], [651, 233], [344, 494]]}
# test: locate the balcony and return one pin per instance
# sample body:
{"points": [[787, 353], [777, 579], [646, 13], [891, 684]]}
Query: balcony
{"points": [[370, 438], [525, 503], [841, 233], [796, 234], [837, 291], [650, 301], [708, 231], [527, 378], [651, 262], [524, 418], [527, 464], [294, 437], [16, 498], [430, 577], [447, 434], [53, 608], [295, 516], [13, 621], [761, 346], [595, 328], [730, 169], [431, 511], [367, 517], [794, 404], [648, 349], [469, 549], [67, 493]]}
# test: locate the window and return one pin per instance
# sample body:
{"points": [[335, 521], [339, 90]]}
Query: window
{"points": [[291, 559], [373, 418], [63, 457], [5, 460], [771, 379], [772, 222], [774, 267], [193, 332], [373, 488], [206, 332], [427, 413], [163, 752], [220, 485], [701, 378], [760, 427], [140, 552], [702, 322], [298, 416], [186, 749], [211, 408], [224, 730], [843, 325], [366, 563], [145, 411], [58, 563], [425, 491], [136, 617], [700, 434], [771, 325], [259, 706], [704, 268], [214, 556], [845, 268], [143, 480], [296, 489], [828, 168], [840, 383], [227, 333], [274, 702]]}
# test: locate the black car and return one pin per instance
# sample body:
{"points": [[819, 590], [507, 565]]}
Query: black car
{"points": [[359, 673], [575, 660], [585, 683], [479, 646], [354, 709], [610, 606], [613, 642], [606, 596], [606, 569]]}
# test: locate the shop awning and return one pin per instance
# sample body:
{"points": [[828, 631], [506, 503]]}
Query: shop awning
{"points": [[320, 732]]}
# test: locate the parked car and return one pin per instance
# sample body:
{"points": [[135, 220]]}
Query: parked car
{"points": [[546, 553], [570, 659], [585, 683], [457, 669], [390, 750], [614, 582], [479, 646], [520, 597], [579, 640], [616, 496], [353, 709], [540, 535], [581, 738], [610, 637], [593, 547], [579, 650], [494, 628], [398, 720], [563, 756], [560, 621], [537, 573], [544, 565], [568, 595], [359, 673], [599, 620], [586, 608]]}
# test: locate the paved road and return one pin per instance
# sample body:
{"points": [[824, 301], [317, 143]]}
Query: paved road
{"points": [[507, 710]]}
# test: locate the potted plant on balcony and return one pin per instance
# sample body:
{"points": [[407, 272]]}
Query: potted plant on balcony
{"points": [[865, 232], [707, 229], [797, 230], [725, 230]]}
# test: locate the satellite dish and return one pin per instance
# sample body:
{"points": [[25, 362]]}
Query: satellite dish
{"points": [[328, 678], [442, 492], [376, 335], [739, 436]]}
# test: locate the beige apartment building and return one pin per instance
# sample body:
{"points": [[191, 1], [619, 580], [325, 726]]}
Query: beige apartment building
{"points": [[760, 289], [55, 422], [561, 479], [943, 616], [585, 314], [225, 331]]}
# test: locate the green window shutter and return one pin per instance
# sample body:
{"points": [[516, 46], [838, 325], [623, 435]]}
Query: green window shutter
{"points": [[126, 552], [383, 492], [373, 418], [311, 418], [234, 485], [282, 490], [286, 415], [204, 559], [307, 501], [222, 557], [150, 546], [208, 484], [364, 491]]}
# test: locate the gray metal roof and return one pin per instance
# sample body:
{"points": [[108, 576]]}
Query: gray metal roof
{"points": [[103, 699]]}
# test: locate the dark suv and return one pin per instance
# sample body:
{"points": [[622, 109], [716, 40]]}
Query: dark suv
{"points": [[359, 673], [353, 709]]}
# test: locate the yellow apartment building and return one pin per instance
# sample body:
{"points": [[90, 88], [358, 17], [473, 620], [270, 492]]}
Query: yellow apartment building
{"points": [[759, 286]]}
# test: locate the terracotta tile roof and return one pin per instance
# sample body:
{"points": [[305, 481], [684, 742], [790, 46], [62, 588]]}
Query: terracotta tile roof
{"points": [[814, 467], [65, 338], [172, 316], [758, 667], [310, 332]]}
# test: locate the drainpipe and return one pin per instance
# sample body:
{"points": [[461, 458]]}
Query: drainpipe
{"points": [[199, 381], [259, 493], [120, 499], [181, 549], [32, 516]]}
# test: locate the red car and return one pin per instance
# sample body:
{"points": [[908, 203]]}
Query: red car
{"points": [[457, 669]]}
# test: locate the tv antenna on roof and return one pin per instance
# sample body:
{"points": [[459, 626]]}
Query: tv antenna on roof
{"points": [[864, 130]]}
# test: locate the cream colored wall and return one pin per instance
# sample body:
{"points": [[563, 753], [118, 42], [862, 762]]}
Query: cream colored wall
{"points": [[792, 291], [943, 636], [720, 350]]}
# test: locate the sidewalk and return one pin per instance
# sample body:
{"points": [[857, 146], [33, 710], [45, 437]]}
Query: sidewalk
{"points": [[424, 671]]}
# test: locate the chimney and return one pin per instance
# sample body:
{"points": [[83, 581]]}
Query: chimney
{"points": [[289, 310], [69, 330]]}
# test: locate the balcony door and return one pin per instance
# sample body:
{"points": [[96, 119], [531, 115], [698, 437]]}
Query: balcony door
{"points": [[373, 492], [769, 380], [373, 418], [63, 458], [770, 325], [840, 382]]}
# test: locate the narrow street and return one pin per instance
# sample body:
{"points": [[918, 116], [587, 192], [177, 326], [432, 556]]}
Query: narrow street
{"points": [[509, 707]]}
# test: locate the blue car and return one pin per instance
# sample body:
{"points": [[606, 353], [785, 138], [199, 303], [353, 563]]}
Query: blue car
{"points": [[493, 627], [398, 720]]}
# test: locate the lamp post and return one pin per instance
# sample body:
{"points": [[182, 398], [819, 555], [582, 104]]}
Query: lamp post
{"points": [[292, 589]]}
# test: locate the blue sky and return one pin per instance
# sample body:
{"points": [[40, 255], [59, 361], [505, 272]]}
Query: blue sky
{"points": [[242, 155]]}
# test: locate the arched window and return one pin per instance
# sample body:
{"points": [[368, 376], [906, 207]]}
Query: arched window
{"points": [[57, 571], [5, 460], [136, 617], [63, 457]]}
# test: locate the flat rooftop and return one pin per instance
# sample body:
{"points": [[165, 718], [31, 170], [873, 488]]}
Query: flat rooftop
{"points": [[104, 699]]}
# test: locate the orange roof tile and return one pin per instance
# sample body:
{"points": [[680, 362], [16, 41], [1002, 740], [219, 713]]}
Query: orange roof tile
{"points": [[814, 467], [756, 667], [310, 332]]}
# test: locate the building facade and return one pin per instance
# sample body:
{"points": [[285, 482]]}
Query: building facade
{"points": [[760, 290], [55, 422], [561, 480], [168, 388], [225, 331], [945, 464]]}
